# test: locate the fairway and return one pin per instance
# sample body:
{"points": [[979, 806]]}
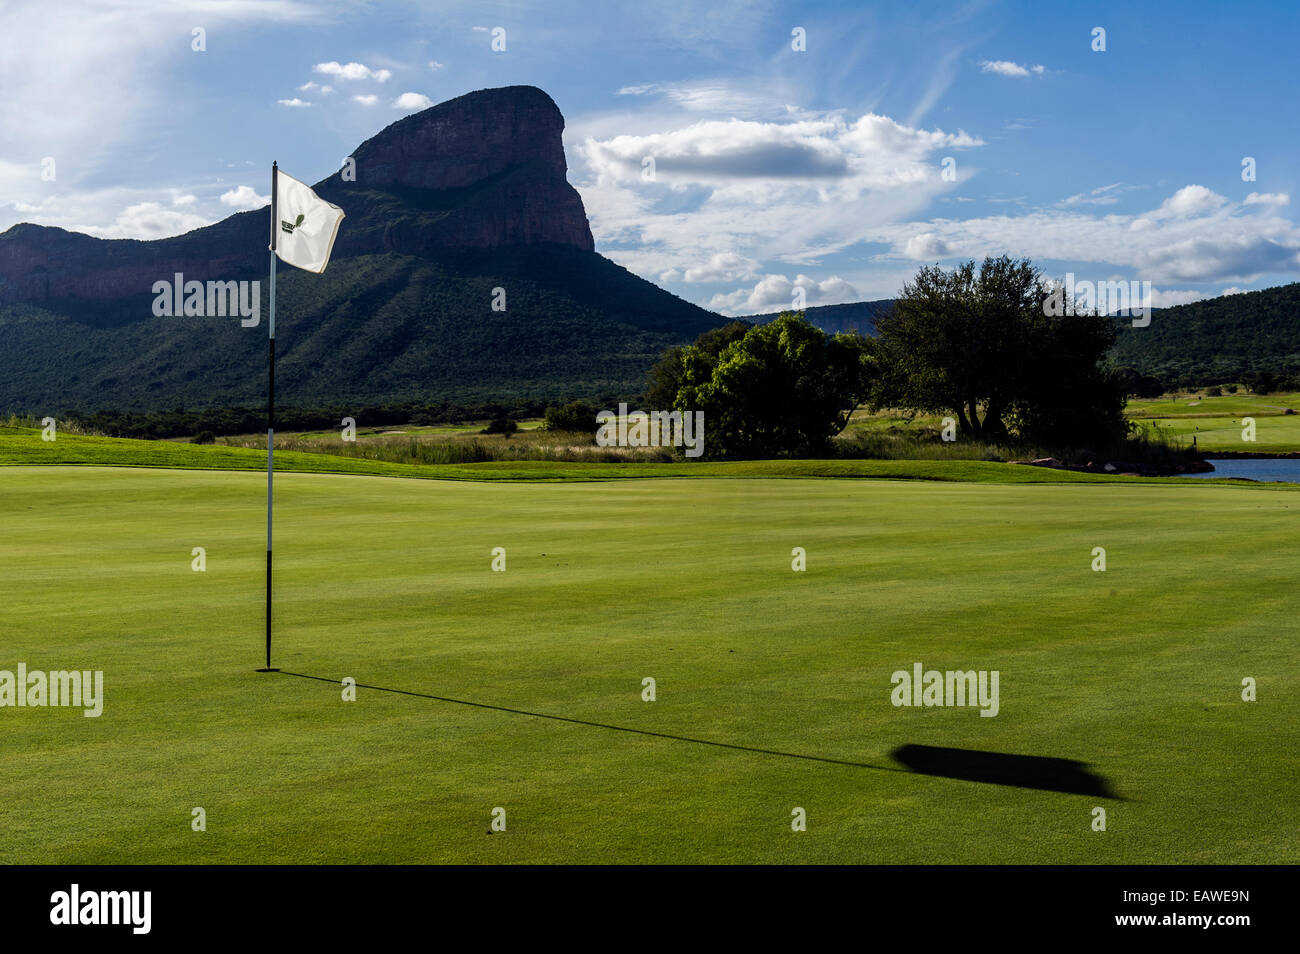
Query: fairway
{"points": [[1136, 671]]}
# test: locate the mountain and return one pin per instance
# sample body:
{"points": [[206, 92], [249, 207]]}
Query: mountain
{"points": [[859, 316], [446, 206], [1217, 340]]}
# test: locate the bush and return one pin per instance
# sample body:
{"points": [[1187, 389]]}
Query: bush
{"points": [[1261, 382], [501, 425], [204, 437], [577, 417], [1214, 392]]}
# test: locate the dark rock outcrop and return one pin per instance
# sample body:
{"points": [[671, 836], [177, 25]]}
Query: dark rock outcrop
{"points": [[483, 171]]}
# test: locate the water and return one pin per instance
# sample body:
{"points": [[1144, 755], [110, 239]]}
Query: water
{"points": [[1256, 468]]}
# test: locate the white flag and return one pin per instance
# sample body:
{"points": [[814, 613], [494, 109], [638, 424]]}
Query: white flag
{"points": [[308, 225]]}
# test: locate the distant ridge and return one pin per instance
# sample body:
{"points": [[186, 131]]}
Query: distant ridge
{"points": [[1217, 339], [447, 205], [859, 316]]}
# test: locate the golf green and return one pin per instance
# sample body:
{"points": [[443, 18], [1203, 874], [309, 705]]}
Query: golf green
{"points": [[1136, 671]]}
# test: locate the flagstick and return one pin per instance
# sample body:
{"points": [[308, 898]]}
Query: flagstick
{"points": [[270, 414]]}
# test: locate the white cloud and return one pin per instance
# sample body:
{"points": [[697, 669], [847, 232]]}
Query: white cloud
{"points": [[1195, 235], [436, 66], [1172, 297], [1102, 195], [1268, 198], [74, 83], [927, 246], [149, 220], [1008, 68], [792, 191], [721, 267], [244, 198], [1190, 200], [294, 103], [184, 199], [871, 152], [352, 71], [367, 100], [776, 292], [411, 101], [719, 96]]}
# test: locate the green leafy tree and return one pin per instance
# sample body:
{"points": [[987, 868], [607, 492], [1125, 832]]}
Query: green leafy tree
{"points": [[782, 388], [578, 417], [665, 376], [980, 343]]}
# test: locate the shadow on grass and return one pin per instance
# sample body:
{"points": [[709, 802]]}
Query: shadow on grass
{"points": [[1026, 771], [606, 725], [999, 768]]}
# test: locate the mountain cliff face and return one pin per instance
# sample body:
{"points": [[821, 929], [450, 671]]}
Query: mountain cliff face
{"points": [[484, 170], [447, 204]]}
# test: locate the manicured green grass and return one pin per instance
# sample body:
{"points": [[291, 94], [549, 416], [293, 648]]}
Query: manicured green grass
{"points": [[1216, 422], [1136, 671], [1225, 405], [22, 446], [1273, 434]]}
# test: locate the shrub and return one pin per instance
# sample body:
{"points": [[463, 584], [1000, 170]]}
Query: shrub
{"points": [[577, 417], [204, 437]]}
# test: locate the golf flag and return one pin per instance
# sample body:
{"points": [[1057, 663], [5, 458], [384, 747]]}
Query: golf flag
{"points": [[303, 229], [307, 225]]}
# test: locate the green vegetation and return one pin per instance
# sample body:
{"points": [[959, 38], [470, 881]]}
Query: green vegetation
{"points": [[372, 330], [180, 422], [782, 388], [23, 446], [1216, 422], [576, 417], [1217, 340], [985, 345], [1136, 671]]}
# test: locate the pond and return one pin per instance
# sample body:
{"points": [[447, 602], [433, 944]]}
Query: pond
{"points": [[1255, 468]]}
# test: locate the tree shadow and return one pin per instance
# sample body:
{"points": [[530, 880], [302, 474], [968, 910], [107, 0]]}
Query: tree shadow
{"points": [[999, 768]]}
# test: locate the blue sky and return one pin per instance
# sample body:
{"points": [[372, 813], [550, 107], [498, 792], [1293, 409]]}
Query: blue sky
{"points": [[774, 168]]}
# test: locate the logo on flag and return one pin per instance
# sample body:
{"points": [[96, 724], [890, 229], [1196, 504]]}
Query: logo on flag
{"points": [[308, 224]]}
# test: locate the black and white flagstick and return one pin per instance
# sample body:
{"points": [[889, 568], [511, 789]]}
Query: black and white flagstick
{"points": [[270, 411]]}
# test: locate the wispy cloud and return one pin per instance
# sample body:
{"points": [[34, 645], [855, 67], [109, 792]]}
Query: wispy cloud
{"points": [[1008, 68]]}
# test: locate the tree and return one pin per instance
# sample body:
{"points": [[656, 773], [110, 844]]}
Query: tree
{"points": [[1133, 382], [782, 388], [1260, 382], [665, 376], [982, 345], [577, 417]]}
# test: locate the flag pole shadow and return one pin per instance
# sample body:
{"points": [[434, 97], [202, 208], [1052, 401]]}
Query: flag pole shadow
{"points": [[972, 765]]}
